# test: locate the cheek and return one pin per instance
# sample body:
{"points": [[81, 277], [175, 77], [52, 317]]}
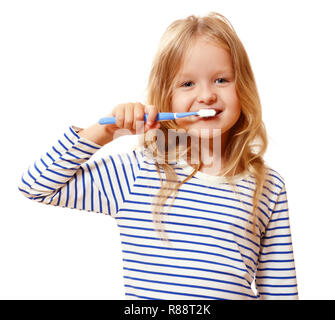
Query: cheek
{"points": [[179, 103], [233, 113], [233, 105], [237, 109]]}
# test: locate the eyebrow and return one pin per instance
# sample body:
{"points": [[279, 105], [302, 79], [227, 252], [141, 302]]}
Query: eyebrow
{"points": [[185, 75]]}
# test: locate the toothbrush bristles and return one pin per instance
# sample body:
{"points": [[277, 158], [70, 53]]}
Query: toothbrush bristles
{"points": [[207, 113]]}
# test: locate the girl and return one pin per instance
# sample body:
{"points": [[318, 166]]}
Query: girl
{"points": [[190, 229]]}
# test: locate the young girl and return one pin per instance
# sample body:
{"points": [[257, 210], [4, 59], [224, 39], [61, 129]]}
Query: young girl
{"points": [[190, 228]]}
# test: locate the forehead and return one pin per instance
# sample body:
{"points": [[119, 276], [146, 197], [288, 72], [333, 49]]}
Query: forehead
{"points": [[205, 55]]}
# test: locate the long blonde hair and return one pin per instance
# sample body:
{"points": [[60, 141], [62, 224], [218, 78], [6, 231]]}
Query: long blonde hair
{"points": [[240, 152]]}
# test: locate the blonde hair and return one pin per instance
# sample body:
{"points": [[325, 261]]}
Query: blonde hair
{"points": [[239, 151]]}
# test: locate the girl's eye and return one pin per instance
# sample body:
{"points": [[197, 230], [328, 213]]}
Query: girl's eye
{"points": [[185, 84], [224, 80], [188, 83]]}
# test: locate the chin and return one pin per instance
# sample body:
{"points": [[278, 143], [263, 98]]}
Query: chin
{"points": [[205, 133]]}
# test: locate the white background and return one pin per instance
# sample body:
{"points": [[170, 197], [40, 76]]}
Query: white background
{"points": [[69, 62]]}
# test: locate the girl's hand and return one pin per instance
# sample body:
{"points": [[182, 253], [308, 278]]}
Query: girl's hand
{"points": [[128, 116], [131, 116]]}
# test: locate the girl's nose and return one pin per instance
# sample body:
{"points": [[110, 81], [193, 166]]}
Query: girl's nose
{"points": [[206, 96]]}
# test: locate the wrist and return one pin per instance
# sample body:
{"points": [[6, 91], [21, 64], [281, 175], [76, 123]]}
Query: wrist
{"points": [[97, 133]]}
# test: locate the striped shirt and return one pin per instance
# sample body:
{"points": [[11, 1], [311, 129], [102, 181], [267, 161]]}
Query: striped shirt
{"points": [[208, 256]]}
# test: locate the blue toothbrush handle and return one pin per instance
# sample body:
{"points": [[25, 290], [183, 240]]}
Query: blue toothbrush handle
{"points": [[160, 117]]}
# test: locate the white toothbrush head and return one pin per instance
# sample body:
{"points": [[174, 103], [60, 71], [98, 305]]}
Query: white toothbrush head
{"points": [[206, 113]]}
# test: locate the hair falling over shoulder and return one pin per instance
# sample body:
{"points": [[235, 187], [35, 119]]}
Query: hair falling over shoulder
{"points": [[247, 141]]}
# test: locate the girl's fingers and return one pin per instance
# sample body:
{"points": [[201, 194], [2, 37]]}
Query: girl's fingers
{"points": [[119, 115], [138, 116], [152, 114], [129, 117]]}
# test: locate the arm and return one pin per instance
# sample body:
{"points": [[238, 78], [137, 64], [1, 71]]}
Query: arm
{"points": [[64, 177], [276, 274]]}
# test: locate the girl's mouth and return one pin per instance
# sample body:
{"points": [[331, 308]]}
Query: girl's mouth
{"points": [[218, 112], [195, 119]]}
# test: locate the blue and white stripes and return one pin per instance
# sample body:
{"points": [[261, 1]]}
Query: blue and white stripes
{"points": [[208, 256]]}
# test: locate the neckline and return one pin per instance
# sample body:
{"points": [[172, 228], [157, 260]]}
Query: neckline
{"points": [[205, 177]]}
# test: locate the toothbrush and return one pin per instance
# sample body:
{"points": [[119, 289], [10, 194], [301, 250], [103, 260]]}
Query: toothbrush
{"points": [[163, 116]]}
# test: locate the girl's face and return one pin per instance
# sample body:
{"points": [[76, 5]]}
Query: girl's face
{"points": [[206, 80]]}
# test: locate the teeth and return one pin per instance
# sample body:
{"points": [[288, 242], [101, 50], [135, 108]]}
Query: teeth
{"points": [[207, 112]]}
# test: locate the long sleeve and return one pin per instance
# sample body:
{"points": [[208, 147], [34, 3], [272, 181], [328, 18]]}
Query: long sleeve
{"points": [[276, 274], [64, 177]]}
